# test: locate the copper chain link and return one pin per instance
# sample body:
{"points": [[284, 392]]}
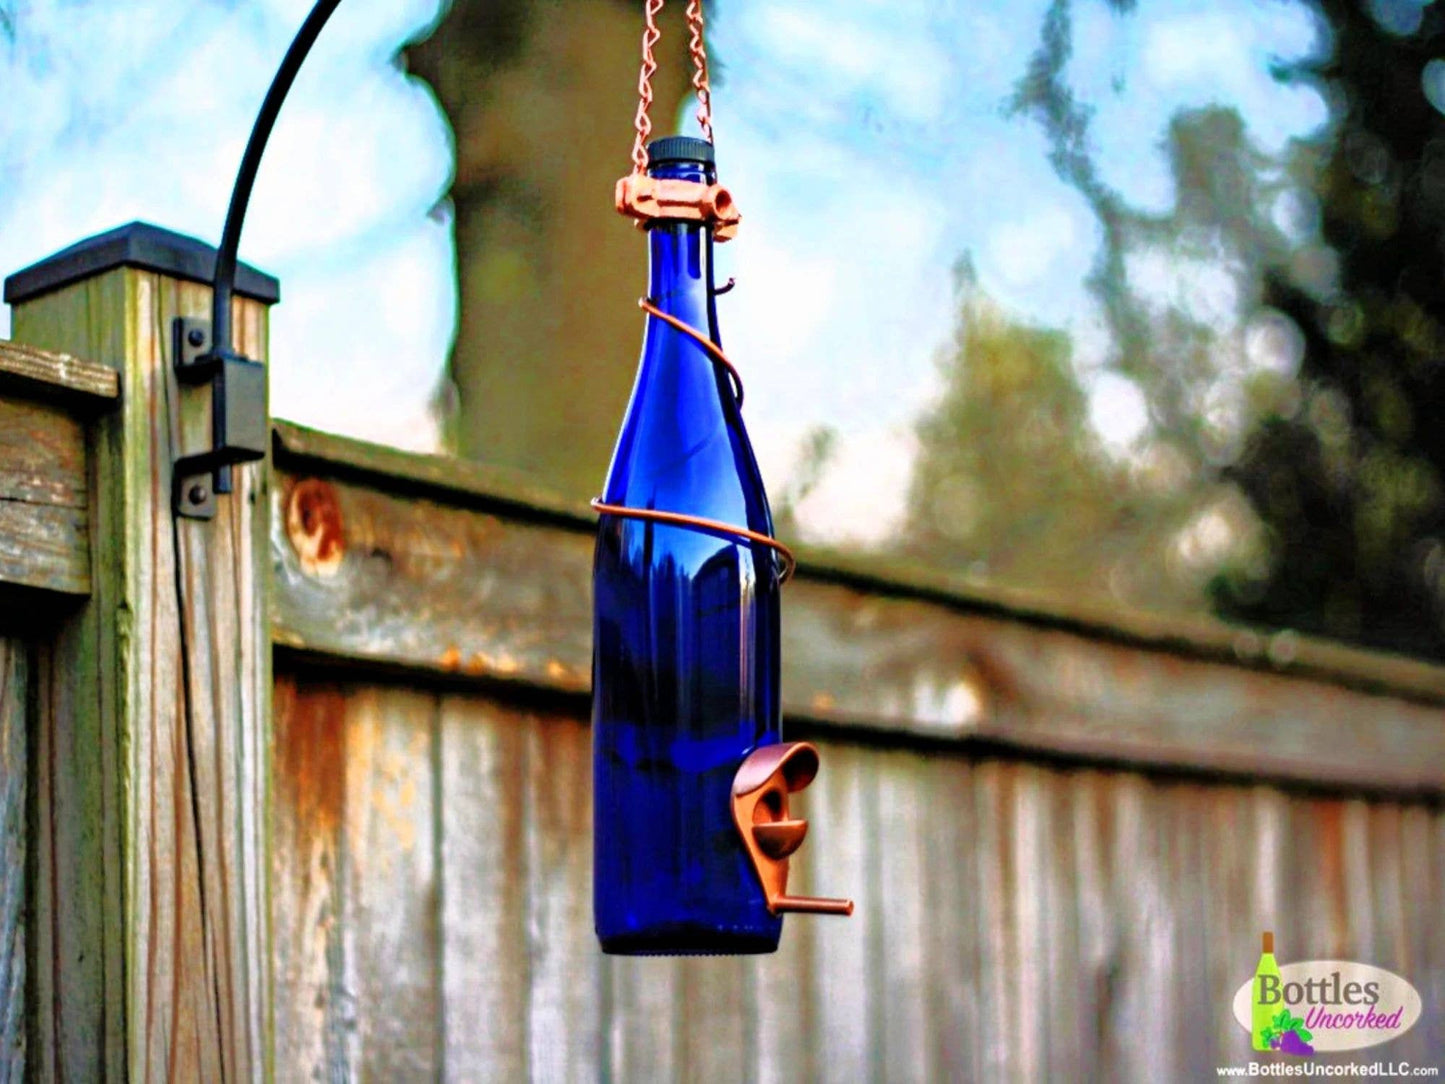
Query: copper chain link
{"points": [[697, 49]]}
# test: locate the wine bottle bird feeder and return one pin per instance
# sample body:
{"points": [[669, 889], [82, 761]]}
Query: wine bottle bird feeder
{"points": [[692, 826]]}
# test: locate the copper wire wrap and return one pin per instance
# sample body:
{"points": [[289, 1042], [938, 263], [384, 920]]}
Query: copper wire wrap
{"points": [[701, 523], [702, 340], [682, 519]]}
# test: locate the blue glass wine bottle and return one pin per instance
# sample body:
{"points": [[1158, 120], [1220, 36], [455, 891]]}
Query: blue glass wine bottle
{"points": [[686, 629]]}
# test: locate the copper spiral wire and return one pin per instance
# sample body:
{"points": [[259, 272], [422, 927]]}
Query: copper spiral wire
{"points": [[701, 523], [643, 122], [702, 340], [697, 49], [682, 519]]}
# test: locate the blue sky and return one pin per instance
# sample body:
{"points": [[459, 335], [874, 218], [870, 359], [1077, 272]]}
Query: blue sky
{"points": [[866, 142], [122, 110]]}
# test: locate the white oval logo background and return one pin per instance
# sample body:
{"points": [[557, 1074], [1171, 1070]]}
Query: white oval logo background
{"points": [[1395, 992]]}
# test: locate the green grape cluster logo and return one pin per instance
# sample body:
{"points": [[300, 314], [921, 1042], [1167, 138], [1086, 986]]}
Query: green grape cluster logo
{"points": [[1286, 1034], [1299, 1009]]}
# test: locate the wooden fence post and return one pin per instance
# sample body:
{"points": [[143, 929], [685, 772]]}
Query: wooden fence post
{"points": [[168, 670]]}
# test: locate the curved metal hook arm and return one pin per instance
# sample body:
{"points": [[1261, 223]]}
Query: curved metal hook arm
{"points": [[224, 280]]}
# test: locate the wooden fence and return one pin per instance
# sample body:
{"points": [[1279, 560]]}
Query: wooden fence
{"points": [[1064, 833]]}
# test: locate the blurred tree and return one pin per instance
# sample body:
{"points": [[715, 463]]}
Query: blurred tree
{"points": [[1011, 479], [1312, 393], [816, 452], [541, 100], [1350, 484], [1012, 483]]}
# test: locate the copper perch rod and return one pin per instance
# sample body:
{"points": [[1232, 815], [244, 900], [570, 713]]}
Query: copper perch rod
{"points": [[812, 905]]}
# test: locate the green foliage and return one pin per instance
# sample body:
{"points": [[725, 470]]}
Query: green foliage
{"points": [[1350, 486], [1011, 482]]}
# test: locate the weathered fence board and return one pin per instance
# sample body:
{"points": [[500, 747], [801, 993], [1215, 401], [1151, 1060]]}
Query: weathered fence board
{"points": [[30, 373], [163, 681], [781, 1000], [371, 566], [14, 769], [314, 1014], [484, 920], [390, 948], [44, 525], [564, 968], [1015, 921]]}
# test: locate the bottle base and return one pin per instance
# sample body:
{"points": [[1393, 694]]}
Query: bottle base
{"points": [[688, 941]]}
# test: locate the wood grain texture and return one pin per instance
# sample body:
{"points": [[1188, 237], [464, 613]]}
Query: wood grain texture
{"points": [[485, 920], [314, 1010], [34, 373], [179, 706], [480, 590], [77, 1028], [714, 1027], [1014, 921], [564, 968], [841, 857], [643, 1000], [390, 938], [44, 520], [462, 483], [358, 982], [897, 921], [947, 895], [782, 1000], [14, 769]]}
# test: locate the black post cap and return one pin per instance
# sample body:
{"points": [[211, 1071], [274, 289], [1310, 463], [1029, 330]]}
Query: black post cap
{"points": [[138, 244], [677, 148]]}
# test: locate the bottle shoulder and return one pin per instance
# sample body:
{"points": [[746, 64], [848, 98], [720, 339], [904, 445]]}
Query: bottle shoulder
{"points": [[683, 446]]}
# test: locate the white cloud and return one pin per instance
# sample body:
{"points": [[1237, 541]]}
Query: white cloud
{"points": [[1023, 251], [880, 51], [1117, 410], [862, 497]]}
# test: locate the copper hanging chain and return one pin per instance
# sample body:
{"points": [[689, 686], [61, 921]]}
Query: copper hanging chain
{"points": [[697, 50], [643, 123]]}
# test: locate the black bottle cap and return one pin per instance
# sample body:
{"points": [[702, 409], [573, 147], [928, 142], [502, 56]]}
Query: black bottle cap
{"points": [[678, 148]]}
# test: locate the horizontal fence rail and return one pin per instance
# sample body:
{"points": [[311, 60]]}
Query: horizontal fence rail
{"points": [[431, 566]]}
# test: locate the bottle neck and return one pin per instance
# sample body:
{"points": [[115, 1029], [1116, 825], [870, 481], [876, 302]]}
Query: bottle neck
{"points": [[680, 276]]}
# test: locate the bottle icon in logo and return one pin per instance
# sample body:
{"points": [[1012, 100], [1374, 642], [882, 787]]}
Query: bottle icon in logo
{"points": [[1262, 1014]]}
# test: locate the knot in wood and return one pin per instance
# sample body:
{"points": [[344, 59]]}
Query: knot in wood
{"points": [[314, 527]]}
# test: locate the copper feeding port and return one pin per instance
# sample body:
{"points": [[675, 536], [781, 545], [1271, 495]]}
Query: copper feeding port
{"points": [[760, 811], [645, 198]]}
